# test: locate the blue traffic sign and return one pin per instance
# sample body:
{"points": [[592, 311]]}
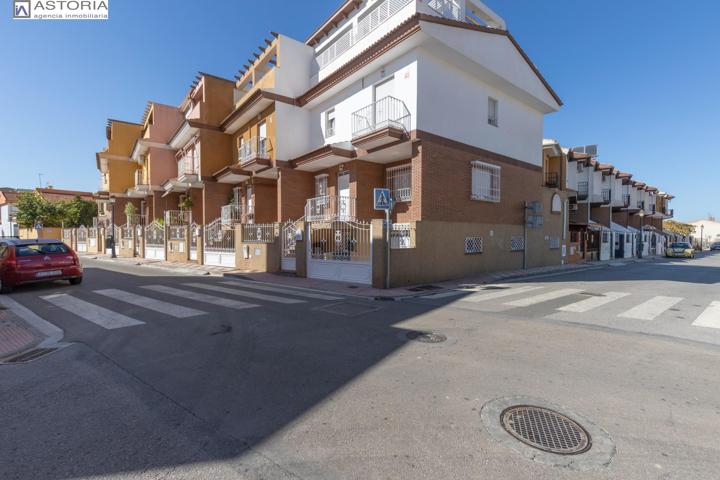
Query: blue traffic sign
{"points": [[382, 199]]}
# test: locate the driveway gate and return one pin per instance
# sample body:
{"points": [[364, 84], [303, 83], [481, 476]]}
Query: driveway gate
{"points": [[219, 244], [82, 238], [340, 250], [155, 241]]}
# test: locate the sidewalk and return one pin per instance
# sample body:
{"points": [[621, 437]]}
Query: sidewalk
{"points": [[22, 330], [365, 291]]}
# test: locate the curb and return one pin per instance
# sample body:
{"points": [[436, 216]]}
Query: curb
{"points": [[52, 334]]}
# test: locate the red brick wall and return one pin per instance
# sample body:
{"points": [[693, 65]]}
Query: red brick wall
{"points": [[265, 193], [446, 185], [601, 215], [214, 197], [294, 187]]}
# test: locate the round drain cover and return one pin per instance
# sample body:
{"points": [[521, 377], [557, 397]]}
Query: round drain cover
{"points": [[545, 430], [426, 337]]}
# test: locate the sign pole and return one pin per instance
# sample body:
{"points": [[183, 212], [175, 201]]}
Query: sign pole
{"points": [[525, 237]]}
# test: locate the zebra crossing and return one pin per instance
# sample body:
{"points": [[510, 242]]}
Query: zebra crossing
{"points": [[93, 306], [563, 303]]}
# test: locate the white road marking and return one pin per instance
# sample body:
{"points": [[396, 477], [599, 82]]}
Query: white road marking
{"points": [[52, 332], [289, 291], [710, 318], [545, 297], [498, 294], [94, 313], [652, 308], [201, 297], [244, 293], [593, 302], [177, 311]]}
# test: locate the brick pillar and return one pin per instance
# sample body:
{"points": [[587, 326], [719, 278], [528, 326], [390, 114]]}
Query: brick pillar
{"points": [[200, 245], [301, 251]]}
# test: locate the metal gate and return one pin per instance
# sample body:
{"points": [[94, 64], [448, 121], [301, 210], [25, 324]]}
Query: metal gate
{"points": [[219, 244], [92, 238], [138, 238], [155, 241], [288, 239], [126, 238], [194, 230], [340, 250], [82, 238]]}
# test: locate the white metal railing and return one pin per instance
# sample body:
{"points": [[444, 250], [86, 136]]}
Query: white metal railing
{"points": [[139, 178], [259, 233], [232, 214], [369, 22], [178, 217], [256, 147], [384, 113], [330, 207], [218, 238], [176, 232], [135, 219], [446, 8], [187, 165]]}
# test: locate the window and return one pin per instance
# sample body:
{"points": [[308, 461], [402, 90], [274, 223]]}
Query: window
{"points": [[493, 112], [485, 182], [579, 167], [40, 249], [321, 185], [473, 245], [330, 123], [399, 181]]}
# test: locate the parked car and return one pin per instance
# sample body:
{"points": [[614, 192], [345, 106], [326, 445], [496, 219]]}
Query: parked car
{"points": [[680, 249], [715, 246], [31, 261]]}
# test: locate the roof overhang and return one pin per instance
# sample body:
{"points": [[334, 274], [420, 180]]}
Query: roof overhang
{"points": [[251, 107], [232, 175], [324, 157], [184, 134]]}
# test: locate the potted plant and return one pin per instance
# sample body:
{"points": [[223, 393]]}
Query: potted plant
{"points": [[186, 203]]}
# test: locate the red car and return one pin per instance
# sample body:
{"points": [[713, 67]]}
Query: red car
{"points": [[30, 261]]}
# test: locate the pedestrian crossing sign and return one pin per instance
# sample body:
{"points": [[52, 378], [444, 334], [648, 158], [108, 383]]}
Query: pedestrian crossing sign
{"points": [[382, 199]]}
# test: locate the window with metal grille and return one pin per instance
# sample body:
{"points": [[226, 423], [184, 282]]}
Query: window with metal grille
{"points": [[485, 182], [493, 112], [399, 181], [554, 243], [321, 184], [517, 243], [401, 236], [473, 245]]}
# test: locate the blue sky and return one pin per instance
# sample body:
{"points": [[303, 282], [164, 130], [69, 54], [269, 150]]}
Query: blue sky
{"points": [[639, 78]]}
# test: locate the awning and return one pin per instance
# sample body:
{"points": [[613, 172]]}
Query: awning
{"points": [[619, 228], [596, 226]]}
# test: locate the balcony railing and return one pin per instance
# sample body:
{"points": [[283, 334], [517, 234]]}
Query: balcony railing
{"points": [[583, 191], [255, 148], [187, 166], [330, 208], [626, 200], [606, 196], [446, 8], [552, 180], [135, 219], [388, 112], [139, 178], [178, 217], [232, 214]]}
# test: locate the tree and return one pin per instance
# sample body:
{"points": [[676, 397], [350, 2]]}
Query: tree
{"points": [[78, 212], [680, 228], [34, 209]]}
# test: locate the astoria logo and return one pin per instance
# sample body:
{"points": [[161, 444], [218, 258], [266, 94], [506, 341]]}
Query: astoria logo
{"points": [[61, 9]]}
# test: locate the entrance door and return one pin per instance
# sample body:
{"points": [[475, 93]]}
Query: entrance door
{"points": [[344, 207], [382, 102], [619, 245]]}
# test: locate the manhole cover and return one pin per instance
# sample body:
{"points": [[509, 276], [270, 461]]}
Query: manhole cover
{"points": [[426, 337], [546, 430]]}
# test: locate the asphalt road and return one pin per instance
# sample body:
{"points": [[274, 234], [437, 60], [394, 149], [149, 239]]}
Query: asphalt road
{"points": [[171, 376]]}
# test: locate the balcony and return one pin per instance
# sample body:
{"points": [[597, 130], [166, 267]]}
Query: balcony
{"points": [[552, 180], [385, 121], [237, 213], [254, 154], [626, 200], [641, 205], [135, 219], [583, 191], [188, 168], [327, 208], [178, 217], [606, 196]]}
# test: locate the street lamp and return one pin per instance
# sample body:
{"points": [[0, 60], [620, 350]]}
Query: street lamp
{"points": [[702, 234], [642, 233], [113, 254]]}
